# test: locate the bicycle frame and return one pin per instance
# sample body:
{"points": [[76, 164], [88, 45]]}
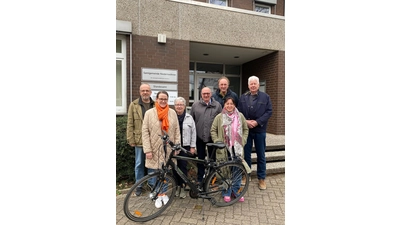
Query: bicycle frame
{"points": [[208, 163]]}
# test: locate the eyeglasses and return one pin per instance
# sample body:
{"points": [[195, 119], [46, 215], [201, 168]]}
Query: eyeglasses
{"points": [[144, 90], [179, 105], [163, 99], [205, 93]]}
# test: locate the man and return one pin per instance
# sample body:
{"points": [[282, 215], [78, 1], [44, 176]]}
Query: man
{"points": [[203, 112], [257, 109], [136, 112], [223, 91]]}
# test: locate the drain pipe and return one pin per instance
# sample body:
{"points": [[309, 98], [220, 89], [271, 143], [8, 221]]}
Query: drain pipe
{"points": [[130, 66]]}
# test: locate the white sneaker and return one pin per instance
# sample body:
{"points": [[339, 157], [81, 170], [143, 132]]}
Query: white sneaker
{"points": [[178, 191], [165, 199], [159, 202]]}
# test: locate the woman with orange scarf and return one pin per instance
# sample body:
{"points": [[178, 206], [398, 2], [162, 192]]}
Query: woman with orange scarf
{"points": [[156, 120]]}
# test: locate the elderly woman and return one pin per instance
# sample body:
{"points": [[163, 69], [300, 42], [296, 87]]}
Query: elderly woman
{"points": [[187, 129], [231, 128], [156, 120]]}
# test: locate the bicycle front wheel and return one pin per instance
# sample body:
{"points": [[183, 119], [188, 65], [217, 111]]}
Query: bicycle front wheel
{"points": [[157, 194], [231, 180]]}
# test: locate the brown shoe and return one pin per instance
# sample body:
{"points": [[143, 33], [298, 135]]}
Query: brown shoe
{"points": [[261, 184]]}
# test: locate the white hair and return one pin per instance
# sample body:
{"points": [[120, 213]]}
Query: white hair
{"points": [[254, 78], [180, 99]]}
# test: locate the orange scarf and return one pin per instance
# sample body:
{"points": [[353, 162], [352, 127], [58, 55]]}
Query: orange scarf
{"points": [[163, 116]]}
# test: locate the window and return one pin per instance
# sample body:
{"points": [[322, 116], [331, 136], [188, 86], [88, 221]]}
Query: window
{"points": [[219, 2], [121, 107], [262, 8]]}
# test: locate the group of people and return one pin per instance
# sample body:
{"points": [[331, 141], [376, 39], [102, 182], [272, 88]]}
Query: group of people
{"points": [[219, 116]]}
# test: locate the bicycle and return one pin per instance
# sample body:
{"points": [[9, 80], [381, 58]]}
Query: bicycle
{"points": [[220, 178]]}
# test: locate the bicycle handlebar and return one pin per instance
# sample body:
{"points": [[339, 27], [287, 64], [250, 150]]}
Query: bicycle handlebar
{"points": [[175, 147]]}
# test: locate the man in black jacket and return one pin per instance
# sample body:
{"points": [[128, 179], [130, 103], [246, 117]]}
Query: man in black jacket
{"points": [[257, 109], [223, 92]]}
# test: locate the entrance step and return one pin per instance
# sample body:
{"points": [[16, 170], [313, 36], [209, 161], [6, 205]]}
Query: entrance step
{"points": [[270, 156], [272, 168]]}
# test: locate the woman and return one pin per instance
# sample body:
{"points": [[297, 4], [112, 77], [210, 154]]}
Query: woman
{"points": [[156, 120], [231, 128], [187, 129]]}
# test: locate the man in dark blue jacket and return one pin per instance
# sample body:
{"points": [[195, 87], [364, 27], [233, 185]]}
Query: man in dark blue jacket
{"points": [[223, 92], [257, 109]]}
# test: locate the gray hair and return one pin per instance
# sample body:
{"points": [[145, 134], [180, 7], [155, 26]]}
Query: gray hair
{"points": [[180, 99], [254, 78]]}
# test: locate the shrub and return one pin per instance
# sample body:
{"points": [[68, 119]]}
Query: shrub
{"points": [[125, 161]]}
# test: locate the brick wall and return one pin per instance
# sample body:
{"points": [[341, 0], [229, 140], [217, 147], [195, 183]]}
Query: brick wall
{"points": [[280, 8], [147, 52], [243, 4], [270, 68]]}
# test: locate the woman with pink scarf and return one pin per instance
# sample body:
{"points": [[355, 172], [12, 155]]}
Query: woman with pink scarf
{"points": [[230, 127]]}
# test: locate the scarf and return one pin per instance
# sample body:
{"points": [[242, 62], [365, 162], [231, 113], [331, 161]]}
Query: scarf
{"points": [[180, 120], [233, 133], [163, 116]]}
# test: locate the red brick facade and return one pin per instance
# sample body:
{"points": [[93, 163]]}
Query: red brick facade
{"points": [[148, 53], [271, 69]]}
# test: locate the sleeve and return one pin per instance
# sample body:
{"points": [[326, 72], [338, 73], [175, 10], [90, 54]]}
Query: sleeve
{"points": [[177, 132], [263, 119], [245, 129], [214, 129], [130, 125], [193, 135], [146, 133]]}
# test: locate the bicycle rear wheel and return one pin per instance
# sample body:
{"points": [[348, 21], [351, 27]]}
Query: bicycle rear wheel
{"points": [[230, 179], [157, 195]]}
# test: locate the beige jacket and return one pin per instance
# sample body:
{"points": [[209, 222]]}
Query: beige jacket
{"points": [[151, 136]]}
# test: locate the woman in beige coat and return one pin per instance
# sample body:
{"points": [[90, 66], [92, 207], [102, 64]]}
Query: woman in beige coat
{"points": [[157, 119]]}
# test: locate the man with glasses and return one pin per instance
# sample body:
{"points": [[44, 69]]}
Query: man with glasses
{"points": [[203, 112], [136, 112]]}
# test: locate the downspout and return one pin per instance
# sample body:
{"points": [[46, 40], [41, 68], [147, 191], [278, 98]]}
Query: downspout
{"points": [[130, 66]]}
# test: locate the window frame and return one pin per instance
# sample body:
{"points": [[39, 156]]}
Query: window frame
{"points": [[257, 4], [226, 2], [122, 109]]}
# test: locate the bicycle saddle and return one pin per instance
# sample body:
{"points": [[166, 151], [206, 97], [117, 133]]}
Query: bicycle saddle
{"points": [[218, 144]]}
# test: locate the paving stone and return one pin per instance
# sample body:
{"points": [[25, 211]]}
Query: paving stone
{"points": [[260, 207]]}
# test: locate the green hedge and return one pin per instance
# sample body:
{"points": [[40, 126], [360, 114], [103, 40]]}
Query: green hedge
{"points": [[125, 162]]}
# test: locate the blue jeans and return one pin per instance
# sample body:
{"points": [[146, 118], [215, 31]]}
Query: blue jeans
{"points": [[236, 175], [164, 187], [259, 143], [139, 163]]}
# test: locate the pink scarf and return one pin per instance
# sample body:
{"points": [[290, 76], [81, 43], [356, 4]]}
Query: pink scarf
{"points": [[232, 130]]}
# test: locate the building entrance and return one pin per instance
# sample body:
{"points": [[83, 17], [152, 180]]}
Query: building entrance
{"points": [[207, 75]]}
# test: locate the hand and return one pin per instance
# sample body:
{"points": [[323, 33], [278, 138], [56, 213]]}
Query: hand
{"points": [[132, 145], [192, 150], [251, 123], [149, 155]]}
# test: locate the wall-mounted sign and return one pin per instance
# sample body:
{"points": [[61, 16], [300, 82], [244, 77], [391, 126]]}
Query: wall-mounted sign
{"points": [[149, 74], [166, 86], [172, 95]]}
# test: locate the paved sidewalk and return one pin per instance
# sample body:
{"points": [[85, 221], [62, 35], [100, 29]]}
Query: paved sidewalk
{"points": [[259, 207]]}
